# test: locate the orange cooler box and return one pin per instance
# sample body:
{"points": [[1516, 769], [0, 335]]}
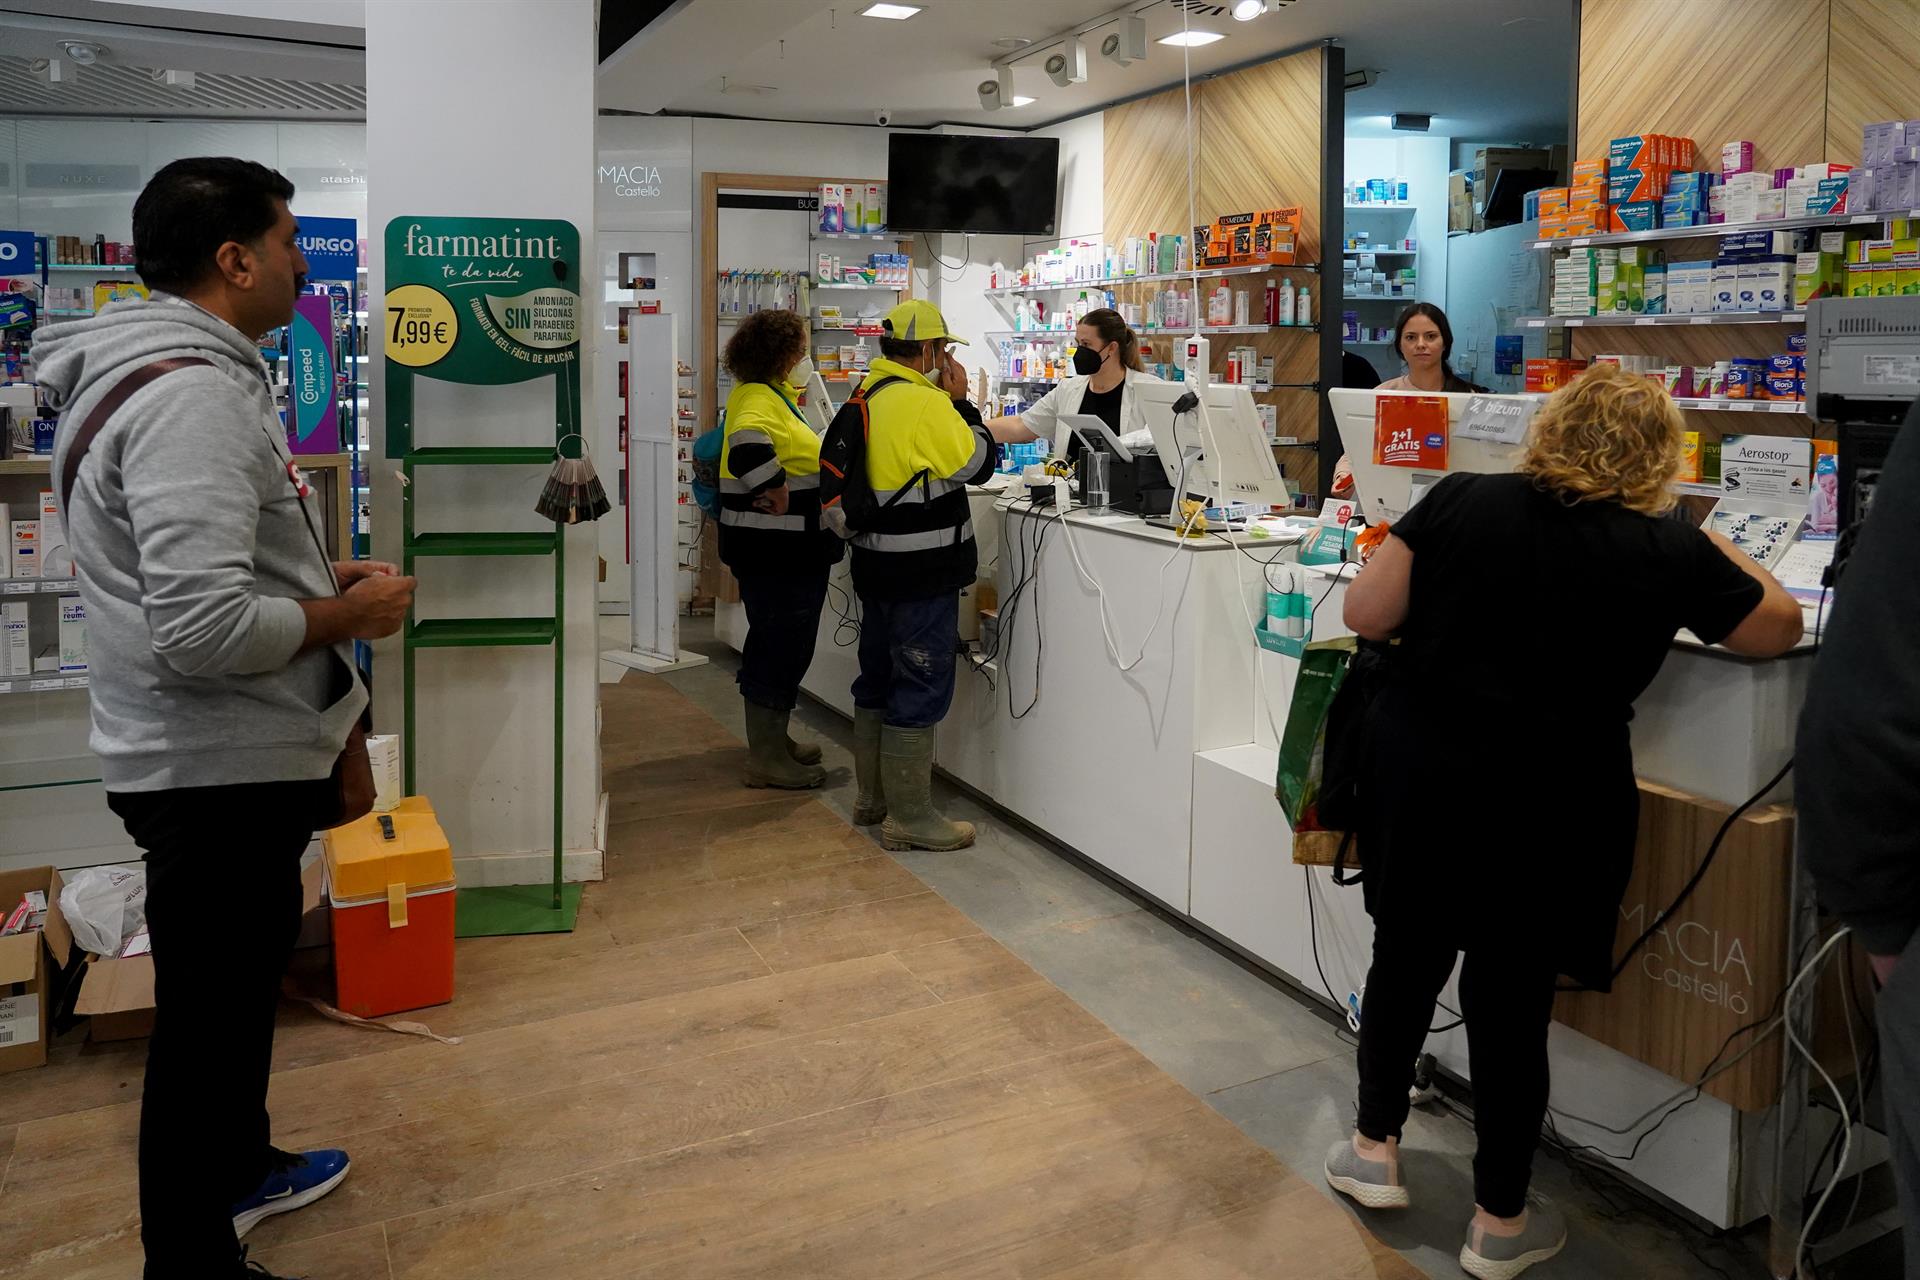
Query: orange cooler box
{"points": [[390, 882]]}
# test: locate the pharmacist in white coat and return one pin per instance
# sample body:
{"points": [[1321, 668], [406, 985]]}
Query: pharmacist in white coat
{"points": [[1106, 369]]}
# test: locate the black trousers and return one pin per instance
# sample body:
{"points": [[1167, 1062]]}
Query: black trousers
{"points": [[783, 622], [1507, 1000], [223, 909]]}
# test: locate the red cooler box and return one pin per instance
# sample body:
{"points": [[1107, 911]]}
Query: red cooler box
{"points": [[390, 882]]}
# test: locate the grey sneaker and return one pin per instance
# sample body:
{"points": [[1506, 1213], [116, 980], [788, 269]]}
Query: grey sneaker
{"points": [[1493, 1257], [1373, 1183]]}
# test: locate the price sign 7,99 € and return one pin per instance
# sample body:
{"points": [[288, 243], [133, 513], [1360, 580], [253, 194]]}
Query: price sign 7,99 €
{"points": [[421, 325]]}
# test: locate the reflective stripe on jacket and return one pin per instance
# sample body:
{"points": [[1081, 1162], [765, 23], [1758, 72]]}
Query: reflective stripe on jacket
{"points": [[769, 444]]}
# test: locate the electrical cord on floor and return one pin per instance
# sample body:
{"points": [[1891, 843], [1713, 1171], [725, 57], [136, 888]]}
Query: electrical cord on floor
{"points": [[1313, 936], [1039, 628]]}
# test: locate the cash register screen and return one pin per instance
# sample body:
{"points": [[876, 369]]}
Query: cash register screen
{"points": [[1386, 493]]}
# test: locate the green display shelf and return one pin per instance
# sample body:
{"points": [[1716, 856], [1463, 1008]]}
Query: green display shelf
{"points": [[477, 455], [481, 544], [479, 633]]}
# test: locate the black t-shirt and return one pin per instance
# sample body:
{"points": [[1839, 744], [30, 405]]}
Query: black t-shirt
{"points": [[1104, 405], [1553, 612]]}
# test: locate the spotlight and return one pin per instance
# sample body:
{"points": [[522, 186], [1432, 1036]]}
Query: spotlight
{"points": [[1248, 10], [1127, 42], [83, 52], [1411, 122], [1069, 65], [997, 92], [174, 79]]}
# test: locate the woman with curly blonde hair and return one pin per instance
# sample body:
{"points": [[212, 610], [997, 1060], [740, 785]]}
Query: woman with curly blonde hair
{"points": [[1498, 797]]}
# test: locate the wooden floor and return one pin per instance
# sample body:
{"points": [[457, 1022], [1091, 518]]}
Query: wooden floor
{"points": [[768, 1051]]}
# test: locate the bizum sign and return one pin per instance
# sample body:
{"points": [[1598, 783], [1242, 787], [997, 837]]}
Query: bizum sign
{"points": [[635, 181]]}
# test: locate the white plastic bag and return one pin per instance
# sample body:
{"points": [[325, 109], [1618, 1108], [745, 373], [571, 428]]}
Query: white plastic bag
{"points": [[105, 906]]}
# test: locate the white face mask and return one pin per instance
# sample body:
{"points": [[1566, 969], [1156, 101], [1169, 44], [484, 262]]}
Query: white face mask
{"points": [[799, 375]]}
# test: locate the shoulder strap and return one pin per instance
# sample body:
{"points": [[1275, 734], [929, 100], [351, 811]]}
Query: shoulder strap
{"points": [[864, 392], [109, 403]]}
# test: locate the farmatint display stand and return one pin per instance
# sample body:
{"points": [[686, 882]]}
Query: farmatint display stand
{"points": [[486, 301]]}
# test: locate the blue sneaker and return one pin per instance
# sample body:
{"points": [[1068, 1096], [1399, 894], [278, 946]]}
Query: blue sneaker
{"points": [[293, 1182]]}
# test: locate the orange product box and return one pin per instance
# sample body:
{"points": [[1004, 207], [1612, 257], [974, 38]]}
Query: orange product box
{"points": [[1589, 170], [1553, 226], [1624, 186], [390, 882], [1276, 235], [1553, 200], [1235, 231], [1552, 374]]}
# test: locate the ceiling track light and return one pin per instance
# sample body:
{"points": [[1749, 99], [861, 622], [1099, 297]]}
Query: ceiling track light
{"points": [[1068, 64], [998, 91], [83, 52], [1127, 42], [54, 71], [174, 79]]}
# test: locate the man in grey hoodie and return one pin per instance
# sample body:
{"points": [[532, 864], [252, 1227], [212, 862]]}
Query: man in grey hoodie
{"points": [[222, 679]]}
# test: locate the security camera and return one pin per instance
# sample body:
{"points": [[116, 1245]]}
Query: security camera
{"points": [[1069, 65], [883, 116]]}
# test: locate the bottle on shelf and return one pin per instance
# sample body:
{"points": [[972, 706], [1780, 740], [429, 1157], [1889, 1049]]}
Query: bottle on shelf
{"points": [[1303, 307], [1283, 311], [1270, 303]]}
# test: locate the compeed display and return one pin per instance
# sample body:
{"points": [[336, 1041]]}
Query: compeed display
{"points": [[993, 186]]}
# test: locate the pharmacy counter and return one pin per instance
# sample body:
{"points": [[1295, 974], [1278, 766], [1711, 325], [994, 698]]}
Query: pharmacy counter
{"points": [[1159, 767]]}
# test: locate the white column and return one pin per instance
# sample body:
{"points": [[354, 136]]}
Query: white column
{"points": [[486, 108]]}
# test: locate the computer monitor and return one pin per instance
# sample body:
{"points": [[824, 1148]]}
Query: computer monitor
{"points": [[1387, 492], [1217, 443]]}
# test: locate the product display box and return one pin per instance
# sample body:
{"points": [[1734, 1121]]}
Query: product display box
{"points": [[28, 963], [1767, 467]]}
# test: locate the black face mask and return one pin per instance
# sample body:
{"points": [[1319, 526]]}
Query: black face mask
{"points": [[1087, 361]]}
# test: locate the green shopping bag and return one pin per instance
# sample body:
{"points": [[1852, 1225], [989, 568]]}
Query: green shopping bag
{"points": [[1303, 753]]}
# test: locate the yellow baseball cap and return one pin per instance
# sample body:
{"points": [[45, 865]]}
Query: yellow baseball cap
{"points": [[917, 320]]}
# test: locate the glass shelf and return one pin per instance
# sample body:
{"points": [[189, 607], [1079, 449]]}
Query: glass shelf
{"points": [[38, 775], [1205, 273], [1725, 229], [1616, 321]]}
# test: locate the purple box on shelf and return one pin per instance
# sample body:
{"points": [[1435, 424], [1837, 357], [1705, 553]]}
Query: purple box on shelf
{"points": [[1781, 177]]}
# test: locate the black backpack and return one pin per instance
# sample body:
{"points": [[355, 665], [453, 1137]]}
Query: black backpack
{"points": [[847, 504]]}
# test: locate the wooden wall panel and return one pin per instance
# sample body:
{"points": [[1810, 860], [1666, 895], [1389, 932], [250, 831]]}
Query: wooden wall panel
{"points": [[1144, 189], [1659, 66], [1875, 70], [1260, 143]]}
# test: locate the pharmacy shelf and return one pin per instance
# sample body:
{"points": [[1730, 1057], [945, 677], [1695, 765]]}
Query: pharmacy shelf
{"points": [[1376, 297], [1618, 321], [1382, 206], [890, 288], [1718, 405], [39, 586], [1725, 229], [45, 682], [67, 311], [26, 466], [1204, 273], [1381, 253], [859, 331], [89, 266], [884, 237], [1066, 335], [1700, 490]]}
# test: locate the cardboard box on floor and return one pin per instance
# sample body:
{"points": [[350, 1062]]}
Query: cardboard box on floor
{"points": [[27, 966]]}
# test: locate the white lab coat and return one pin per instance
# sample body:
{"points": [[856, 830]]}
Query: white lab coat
{"points": [[1043, 419]]}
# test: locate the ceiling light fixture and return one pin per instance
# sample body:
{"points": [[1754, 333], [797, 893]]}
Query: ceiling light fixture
{"points": [[1010, 43], [1190, 39], [1127, 42], [1411, 122], [174, 79], [900, 12], [54, 71], [1024, 100], [1068, 66], [83, 52], [1248, 10], [997, 92]]}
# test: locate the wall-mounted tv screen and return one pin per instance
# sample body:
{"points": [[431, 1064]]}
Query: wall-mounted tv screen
{"points": [[991, 186]]}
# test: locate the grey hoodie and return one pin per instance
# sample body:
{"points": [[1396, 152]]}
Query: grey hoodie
{"points": [[193, 548]]}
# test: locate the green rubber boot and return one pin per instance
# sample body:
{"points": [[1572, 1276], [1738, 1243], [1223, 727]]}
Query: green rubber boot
{"points": [[870, 805], [906, 775], [768, 762], [803, 752]]}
